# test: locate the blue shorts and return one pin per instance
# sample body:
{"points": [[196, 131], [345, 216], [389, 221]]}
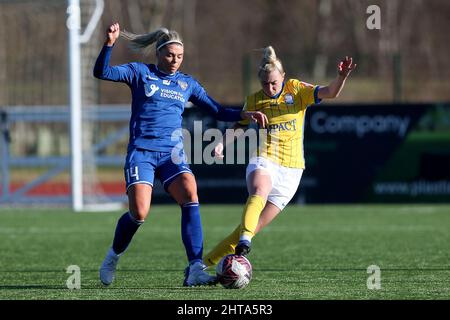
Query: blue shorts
{"points": [[142, 166]]}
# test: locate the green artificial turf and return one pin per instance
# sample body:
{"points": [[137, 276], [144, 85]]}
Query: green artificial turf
{"points": [[308, 252]]}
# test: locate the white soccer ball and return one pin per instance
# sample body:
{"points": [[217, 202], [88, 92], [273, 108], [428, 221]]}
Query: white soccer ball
{"points": [[234, 271]]}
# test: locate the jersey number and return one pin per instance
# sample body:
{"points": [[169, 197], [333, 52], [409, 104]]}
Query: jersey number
{"points": [[131, 174]]}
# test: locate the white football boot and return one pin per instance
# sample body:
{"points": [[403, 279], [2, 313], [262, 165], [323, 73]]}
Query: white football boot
{"points": [[195, 275], [108, 267]]}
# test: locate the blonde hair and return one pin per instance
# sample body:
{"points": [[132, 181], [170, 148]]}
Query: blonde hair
{"points": [[143, 42], [269, 62]]}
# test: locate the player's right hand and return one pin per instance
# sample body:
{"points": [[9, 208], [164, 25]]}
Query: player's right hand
{"points": [[112, 33], [346, 66], [256, 116]]}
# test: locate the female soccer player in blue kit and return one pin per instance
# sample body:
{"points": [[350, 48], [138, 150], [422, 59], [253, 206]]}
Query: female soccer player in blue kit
{"points": [[159, 93]]}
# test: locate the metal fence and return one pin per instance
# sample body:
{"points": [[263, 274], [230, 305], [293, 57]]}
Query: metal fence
{"points": [[27, 164]]}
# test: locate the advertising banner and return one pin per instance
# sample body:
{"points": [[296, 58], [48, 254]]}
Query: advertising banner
{"points": [[353, 154]]}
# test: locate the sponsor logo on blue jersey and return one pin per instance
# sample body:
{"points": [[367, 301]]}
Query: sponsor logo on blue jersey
{"points": [[149, 77], [150, 89], [183, 85], [172, 94]]}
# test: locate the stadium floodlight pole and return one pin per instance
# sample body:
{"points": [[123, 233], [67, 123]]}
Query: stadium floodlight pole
{"points": [[73, 25]]}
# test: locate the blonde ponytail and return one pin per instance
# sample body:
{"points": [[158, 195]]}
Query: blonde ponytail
{"points": [[269, 62], [143, 42]]}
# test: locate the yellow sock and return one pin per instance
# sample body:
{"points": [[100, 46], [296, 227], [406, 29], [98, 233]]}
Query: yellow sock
{"points": [[253, 208], [226, 246]]}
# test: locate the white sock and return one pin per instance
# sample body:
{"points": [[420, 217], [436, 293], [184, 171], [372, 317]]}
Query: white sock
{"points": [[245, 238]]}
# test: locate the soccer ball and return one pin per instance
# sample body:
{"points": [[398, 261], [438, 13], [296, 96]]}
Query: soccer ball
{"points": [[234, 271]]}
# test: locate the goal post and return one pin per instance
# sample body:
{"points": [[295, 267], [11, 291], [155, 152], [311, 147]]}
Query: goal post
{"points": [[76, 151], [76, 39]]}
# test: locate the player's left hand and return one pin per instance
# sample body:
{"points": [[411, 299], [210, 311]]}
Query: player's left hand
{"points": [[256, 116], [346, 66]]}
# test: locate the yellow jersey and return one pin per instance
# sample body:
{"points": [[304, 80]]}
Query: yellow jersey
{"points": [[283, 139]]}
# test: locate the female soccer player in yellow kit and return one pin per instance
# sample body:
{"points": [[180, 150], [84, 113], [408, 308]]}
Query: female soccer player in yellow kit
{"points": [[274, 174]]}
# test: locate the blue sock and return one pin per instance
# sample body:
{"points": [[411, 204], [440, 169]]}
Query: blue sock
{"points": [[191, 231], [125, 230]]}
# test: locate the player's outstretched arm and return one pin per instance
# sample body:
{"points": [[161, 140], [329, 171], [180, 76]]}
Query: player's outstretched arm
{"points": [[345, 67]]}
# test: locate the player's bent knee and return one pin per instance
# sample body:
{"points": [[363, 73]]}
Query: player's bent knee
{"points": [[139, 211], [137, 219], [262, 192], [184, 189], [191, 196], [188, 199], [139, 201], [139, 215]]}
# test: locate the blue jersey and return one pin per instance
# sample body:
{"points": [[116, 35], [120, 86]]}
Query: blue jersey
{"points": [[158, 101]]}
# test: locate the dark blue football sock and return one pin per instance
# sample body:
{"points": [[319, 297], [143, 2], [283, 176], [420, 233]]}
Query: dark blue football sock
{"points": [[125, 230], [191, 231]]}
